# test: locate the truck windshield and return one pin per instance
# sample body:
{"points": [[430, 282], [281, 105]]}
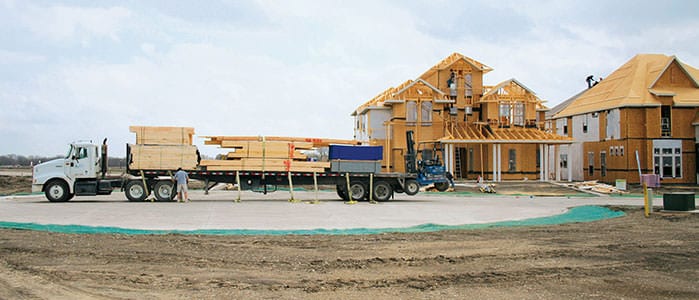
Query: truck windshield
{"points": [[70, 150]]}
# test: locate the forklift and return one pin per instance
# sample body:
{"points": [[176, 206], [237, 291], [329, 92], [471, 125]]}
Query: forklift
{"points": [[426, 163]]}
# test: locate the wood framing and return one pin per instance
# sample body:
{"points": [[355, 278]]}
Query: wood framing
{"points": [[449, 103]]}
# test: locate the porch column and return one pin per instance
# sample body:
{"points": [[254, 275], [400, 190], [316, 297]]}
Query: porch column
{"points": [[546, 162], [495, 161], [541, 162], [499, 162], [447, 158]]}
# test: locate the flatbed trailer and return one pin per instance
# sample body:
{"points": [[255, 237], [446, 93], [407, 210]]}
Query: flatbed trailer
{"points": [[382, 186]]}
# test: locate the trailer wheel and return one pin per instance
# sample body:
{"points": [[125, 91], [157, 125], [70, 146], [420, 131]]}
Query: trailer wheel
{"points": [[163, 190], [57, 191], [382, 191], [135, 191], [441, 186], [341, 192], [411, 187], [358, 191]]}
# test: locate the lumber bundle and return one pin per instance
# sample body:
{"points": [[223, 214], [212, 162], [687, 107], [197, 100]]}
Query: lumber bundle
{"points": [[269, 164], [162, 148], [317, 142], [158, 135], [163, 157], [274, 154], [274, 149]]}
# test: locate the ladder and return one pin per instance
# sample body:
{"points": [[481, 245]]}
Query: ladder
{"points": [[457, 162]]}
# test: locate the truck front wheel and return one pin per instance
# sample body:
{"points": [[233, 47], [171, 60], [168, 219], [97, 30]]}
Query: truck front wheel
{"points": [[163, 190], [135, 191], [57, 191]]}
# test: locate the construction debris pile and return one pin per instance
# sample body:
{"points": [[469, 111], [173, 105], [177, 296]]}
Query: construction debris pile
{"points": [[275, 154], [598, 187], [162, 148]]}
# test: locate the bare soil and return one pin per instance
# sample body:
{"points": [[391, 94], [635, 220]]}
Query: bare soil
{"points": [[622, 258], [15, 184]]}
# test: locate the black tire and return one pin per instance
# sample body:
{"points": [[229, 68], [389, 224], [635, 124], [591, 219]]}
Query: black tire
{"points": [[382, 191], [164, 190], [441, 186], [358, 191], [135, 191], [411, 187], [341, 192], [57, 191]]}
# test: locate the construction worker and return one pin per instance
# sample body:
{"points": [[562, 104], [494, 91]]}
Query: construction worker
{"points": [[182, 179], [450, 177]]}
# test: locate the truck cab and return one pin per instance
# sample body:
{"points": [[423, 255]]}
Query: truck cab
{"points": [[75, 174]]}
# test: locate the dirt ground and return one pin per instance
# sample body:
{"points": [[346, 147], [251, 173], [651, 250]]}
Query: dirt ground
{"points": [[15, 184], [622, 258]]}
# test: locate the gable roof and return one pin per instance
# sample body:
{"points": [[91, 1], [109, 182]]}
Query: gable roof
{"points": [[421, 81], [505, 83], [453, 58], [631, 85]]}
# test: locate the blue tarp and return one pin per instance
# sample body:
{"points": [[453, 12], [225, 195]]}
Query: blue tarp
{"points": [[574, 215], [345, 152]]}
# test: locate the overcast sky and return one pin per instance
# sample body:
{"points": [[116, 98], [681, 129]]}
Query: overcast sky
{"points": [[85, 70]]}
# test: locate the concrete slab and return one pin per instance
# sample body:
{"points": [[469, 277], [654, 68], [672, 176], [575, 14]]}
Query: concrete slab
{"points": [[274, 212]]}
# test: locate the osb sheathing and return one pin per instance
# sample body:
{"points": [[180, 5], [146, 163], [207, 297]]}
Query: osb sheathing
{"points": [[625, 166]]}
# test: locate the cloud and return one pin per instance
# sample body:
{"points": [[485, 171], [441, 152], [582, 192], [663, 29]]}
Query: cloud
{"points": [[286, 68], [64, 23], [13, 57]]}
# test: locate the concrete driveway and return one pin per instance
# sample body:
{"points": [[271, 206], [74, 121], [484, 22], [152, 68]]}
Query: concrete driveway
{"points": [[274, 212]]}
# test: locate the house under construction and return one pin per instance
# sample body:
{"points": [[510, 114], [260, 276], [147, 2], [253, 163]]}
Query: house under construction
{"points": [[493, 131], [649, 106]]}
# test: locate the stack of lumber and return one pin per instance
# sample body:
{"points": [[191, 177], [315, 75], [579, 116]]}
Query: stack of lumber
{"points": [[274, 154], [162, 148], [163, 157], [317, 142], [158, 135]]}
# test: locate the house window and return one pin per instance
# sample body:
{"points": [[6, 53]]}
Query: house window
{"points": [[665, 120], [668, 162], [505, 109], [426, 111], [584, 125], [565, 129], [469, 88], [621, 150], [519, 114], [512, 162], [411, 112], [564, 161], [603, 163], [590, 163]]}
